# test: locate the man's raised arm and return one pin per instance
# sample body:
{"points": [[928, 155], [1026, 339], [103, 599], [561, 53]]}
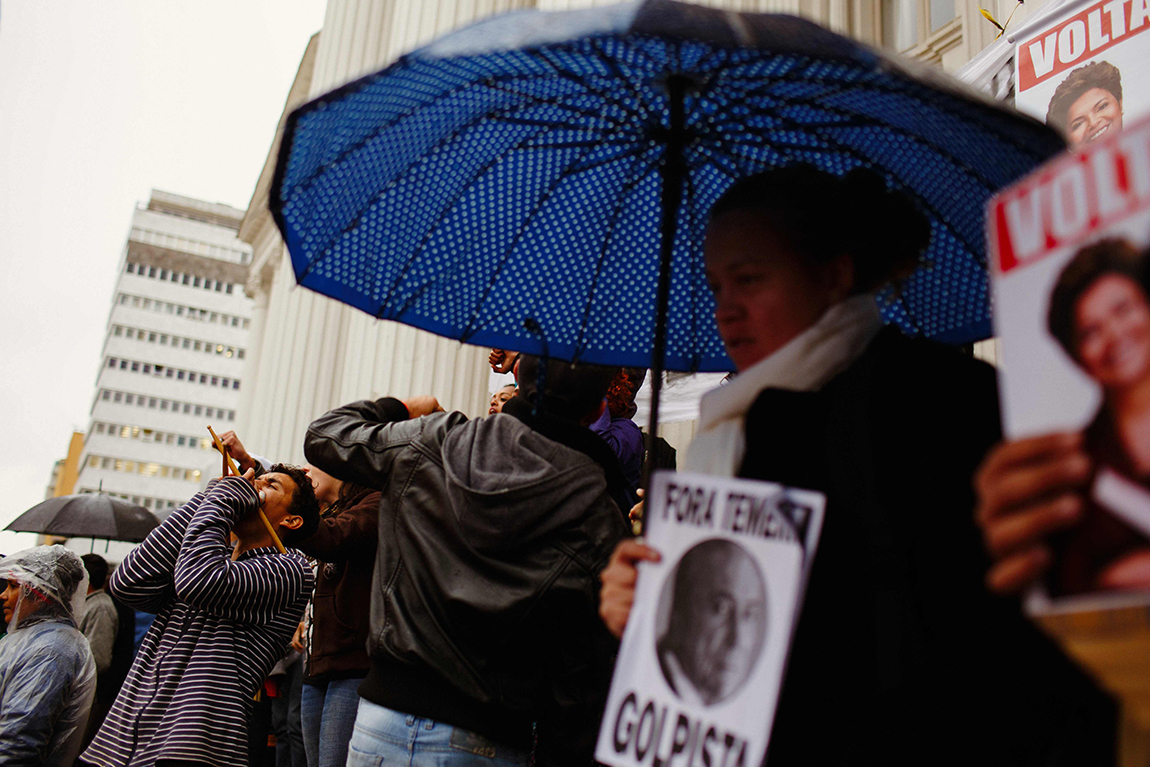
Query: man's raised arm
{"points": [[358, 442], [143, 580], [253, 590]]}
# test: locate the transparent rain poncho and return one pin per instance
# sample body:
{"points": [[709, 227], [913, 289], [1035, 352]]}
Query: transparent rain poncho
{"points": [[47, 674]]}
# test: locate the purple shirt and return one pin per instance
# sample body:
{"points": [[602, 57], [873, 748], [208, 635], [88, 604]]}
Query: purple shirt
{"points": [[624, 437]]}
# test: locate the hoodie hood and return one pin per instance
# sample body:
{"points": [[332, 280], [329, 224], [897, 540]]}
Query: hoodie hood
{"points": [[509, 484]]}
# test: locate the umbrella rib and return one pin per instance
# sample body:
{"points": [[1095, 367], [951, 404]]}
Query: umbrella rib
{"points": [[421, 291], [911, 92], [633, 181], [306, 183], [615, 124], [958, 162], [439, 219], [586, 83], [505, 258], [900, 184], [354, 221], [612, 64]]}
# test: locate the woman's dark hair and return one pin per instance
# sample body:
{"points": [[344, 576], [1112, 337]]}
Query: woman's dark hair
{"points": [[1097, 74], [1112, 255], [621, 393], [97, 568], [348, 493], [821, 216], [303, 503]]}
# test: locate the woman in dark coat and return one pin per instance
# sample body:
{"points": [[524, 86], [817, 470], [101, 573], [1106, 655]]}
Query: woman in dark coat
{"points": [[900, 656], [337, 662]]}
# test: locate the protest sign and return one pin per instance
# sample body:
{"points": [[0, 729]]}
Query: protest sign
{"points": [[1067, 248], [1085, 71], [703, 655]]}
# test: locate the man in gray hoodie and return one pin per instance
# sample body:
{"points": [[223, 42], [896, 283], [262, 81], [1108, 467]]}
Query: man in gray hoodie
{"points": [[492, 534]]}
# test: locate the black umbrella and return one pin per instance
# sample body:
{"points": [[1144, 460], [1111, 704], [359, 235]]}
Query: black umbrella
{"points": [[87, 515]]}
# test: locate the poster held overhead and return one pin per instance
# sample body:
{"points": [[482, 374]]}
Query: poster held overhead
{"points": [[703, 656], [1072, 310]]}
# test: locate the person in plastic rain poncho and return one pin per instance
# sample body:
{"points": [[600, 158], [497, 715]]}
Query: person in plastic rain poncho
{"points": [[47, 674]]}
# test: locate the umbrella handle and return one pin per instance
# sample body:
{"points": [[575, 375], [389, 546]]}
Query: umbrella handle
{"points": [[232, 465]]}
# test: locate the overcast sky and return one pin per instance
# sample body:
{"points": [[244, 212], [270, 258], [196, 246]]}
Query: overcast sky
{"points": [[100, 102]]}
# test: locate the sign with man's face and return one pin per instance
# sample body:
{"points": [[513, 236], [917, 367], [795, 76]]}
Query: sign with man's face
{"points": [[702, 659], [713, 616]]}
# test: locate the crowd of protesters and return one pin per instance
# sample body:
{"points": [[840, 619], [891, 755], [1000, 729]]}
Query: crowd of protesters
{"points": [[457, 586]]}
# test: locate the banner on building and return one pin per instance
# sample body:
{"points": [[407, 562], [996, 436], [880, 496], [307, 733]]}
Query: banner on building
{"points": [[1068, 248], [1087, 71], [703, 655]]}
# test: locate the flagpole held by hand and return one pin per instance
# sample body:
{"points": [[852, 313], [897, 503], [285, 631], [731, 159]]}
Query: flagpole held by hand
{"points": [[230, 465]]}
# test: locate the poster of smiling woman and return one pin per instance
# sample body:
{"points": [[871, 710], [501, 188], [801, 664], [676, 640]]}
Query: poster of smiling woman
{"points": [[1072, 310], [1086, 72]]}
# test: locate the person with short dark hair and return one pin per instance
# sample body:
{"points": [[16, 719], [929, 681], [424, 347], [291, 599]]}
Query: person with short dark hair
{"points": [[224, 616], [1087, 105], [99, 622], [491, 537], [900, 647]]}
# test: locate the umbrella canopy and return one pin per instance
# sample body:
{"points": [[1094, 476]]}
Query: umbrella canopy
{"points": [[87, 515], [506, 185]]}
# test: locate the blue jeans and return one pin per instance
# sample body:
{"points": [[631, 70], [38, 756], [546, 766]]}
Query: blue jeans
{"points": [[386, 737], [328, 714]]}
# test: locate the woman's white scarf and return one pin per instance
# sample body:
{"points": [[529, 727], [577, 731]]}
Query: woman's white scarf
{"points": [[805, 363]]}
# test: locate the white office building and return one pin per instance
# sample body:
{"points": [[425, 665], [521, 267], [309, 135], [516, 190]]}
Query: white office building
{"points": [[174, 354]]}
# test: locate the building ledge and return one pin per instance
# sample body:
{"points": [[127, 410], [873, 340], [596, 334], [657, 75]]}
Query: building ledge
{"points": [[930, 50]]}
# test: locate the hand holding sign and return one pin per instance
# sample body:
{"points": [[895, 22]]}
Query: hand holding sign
{"points": [[709, 608]]}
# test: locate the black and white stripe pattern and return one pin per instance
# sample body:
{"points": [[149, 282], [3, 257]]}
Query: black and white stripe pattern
{"points": [[220, 628]]}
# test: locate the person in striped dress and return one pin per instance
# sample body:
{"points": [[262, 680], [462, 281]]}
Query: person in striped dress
{"points": [[223, 619]]}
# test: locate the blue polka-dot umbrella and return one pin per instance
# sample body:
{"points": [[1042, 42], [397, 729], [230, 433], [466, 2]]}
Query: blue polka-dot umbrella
{"points": [[516, 184]]}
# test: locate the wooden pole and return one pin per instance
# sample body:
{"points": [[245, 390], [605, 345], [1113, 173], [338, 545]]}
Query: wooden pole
{"points": [[235, 470]]}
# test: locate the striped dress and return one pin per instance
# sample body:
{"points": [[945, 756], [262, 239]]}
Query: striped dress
{"points": [[219, 629]]}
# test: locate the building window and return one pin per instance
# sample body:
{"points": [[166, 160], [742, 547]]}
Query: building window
{"points": [[220, 286], [186, 279], [240, 353], [117, 330], [151, 271], [111, 362], [180, 375], [199, 410], [99, 428], [131, 268], [187, 408], [236, 385], [224, 382], [163, 274], [116, 398], [147, 369], [105, 463], [229, 288], [152, 403]]}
